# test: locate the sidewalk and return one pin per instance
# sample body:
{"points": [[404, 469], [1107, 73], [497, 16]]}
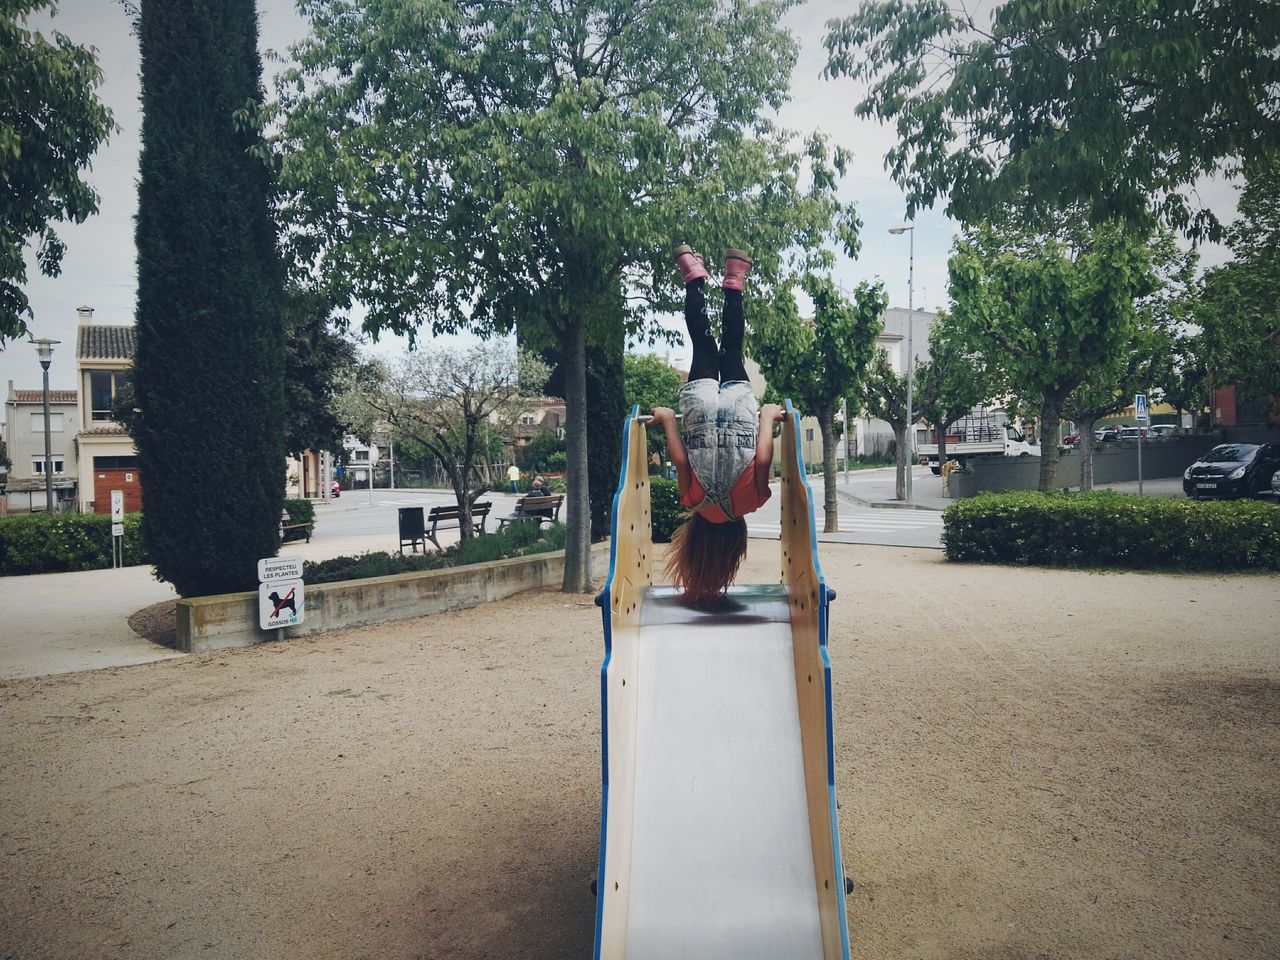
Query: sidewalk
{"points": [[65, 622], [876, 488]]}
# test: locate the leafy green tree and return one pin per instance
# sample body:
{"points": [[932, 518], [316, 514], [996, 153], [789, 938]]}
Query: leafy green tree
{"points": [[1240, 303], [51, 124], [951, 382], [454, 404], [1186, 377], [209, 370], [316, 359], [500, 163], [541, 452], [1143, 364], [605, 400], [884, 396], [1047, 316], [1110, 390], [1113, 106], [819, 362], [5, 462], [649, 381]]}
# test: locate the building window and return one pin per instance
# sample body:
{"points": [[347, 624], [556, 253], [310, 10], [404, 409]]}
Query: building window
{"points": [[103, 385], [808, 435], [526, 419], [37, 466], [37, 423], [361, 456]]}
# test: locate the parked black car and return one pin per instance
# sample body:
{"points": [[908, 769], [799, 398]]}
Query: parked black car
{"points": [[1232, 470]]}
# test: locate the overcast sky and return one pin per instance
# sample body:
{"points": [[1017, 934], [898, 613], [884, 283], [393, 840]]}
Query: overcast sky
{"points": [[99, 267]]}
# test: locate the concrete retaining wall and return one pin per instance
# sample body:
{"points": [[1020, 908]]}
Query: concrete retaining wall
{"points": [[1112, 463], [231, 619]]}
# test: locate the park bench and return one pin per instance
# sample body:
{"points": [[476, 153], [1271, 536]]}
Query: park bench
{"points": [[440, 518], [291, 531], [535, 508]]}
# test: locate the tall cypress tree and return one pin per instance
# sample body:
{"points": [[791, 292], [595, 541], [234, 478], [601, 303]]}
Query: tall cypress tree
{"points": [[209, 366]]}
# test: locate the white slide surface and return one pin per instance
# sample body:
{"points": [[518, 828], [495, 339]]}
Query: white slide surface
{"points": [[721, 861]]}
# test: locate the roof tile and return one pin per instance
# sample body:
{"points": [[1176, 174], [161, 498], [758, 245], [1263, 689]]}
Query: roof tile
{"points": [[104, 342], [37, 396]]}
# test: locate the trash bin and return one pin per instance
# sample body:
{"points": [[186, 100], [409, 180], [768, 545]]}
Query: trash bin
{"points": [[413, 527]]}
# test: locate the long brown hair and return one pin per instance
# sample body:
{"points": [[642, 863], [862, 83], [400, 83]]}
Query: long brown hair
{"points": [[705, 556]]}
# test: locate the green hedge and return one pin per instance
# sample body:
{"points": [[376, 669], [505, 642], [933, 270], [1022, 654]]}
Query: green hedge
{"points": [[516, 540], [63, 542], [665, 509], [1105, 529], [300, 511]]}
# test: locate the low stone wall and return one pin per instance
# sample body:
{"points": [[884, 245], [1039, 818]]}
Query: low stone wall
{"points": [[231, 619], [1112, 463]]}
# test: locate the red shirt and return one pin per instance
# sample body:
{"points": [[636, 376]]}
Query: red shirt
{"points": [[744, 497]]}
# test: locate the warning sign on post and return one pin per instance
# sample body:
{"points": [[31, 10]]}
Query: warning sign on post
{"points": [[117, 506], [280, 604], [280, 568], [280, 595]]}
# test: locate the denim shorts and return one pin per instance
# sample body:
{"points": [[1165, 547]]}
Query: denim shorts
{"points": [[720, 426]]}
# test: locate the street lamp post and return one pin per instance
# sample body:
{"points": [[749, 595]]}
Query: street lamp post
{"points": [[910, 228], [45, 350]]}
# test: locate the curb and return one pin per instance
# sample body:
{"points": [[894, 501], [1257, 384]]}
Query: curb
{"points": [[884, 504]]}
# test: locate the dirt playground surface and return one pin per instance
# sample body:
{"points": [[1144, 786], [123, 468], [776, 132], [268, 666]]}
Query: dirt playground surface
{"points": [[1077, 765]]}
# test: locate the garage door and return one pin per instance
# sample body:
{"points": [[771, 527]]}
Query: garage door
{"points": [[114, 478]]}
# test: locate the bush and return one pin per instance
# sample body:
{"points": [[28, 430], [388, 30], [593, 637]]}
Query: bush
{"points": [[65, 542], [1112, 530], [518, 539], [664, 507], [300, 511]]}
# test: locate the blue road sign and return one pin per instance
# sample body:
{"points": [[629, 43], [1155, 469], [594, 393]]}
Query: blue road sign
{"points": [[1140, 407]]}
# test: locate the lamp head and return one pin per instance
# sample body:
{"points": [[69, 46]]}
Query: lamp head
{"points": [[902, 229], [45, 349]]}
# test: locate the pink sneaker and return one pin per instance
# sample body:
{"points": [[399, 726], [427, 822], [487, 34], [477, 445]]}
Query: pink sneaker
{"points": [[737, 264], [690, 263]]}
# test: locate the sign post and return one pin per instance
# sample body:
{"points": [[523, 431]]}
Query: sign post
{"points": [[1142, 415], [117, 528], [281, 601]]}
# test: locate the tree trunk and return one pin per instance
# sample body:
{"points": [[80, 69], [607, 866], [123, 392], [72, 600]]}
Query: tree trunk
{"points": [[460, 493], [577, 556], [902, 454], [1049, 412], [942, 443], [1086, 452], [826, 422]]}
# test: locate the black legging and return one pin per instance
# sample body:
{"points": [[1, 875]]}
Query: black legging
{"points": [[723, 363]]}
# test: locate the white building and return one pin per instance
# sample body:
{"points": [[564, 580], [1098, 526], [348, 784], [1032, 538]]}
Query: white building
{"points": [[874, 435], [107, 458], [24, 440]]}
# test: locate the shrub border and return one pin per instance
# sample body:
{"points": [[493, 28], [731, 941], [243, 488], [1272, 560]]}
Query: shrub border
{"points": [[1112, 530]]}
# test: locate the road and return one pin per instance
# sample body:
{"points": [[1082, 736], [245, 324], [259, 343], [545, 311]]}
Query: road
{"points": [[353, 515]]}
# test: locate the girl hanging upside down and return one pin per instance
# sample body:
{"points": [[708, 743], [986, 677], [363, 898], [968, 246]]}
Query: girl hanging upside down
{"points": [[726, 453]]}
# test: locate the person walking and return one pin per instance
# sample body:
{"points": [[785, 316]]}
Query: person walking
{"points": [[513, 475]]}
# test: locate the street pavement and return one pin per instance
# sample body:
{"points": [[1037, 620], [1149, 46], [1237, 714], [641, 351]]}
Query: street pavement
{"points": [[63, 622]]}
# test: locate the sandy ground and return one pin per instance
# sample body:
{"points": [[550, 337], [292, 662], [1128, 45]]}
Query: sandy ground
{"points": [[1080, 765]]}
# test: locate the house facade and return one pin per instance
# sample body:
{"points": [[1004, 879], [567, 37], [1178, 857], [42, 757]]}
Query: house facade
{"points": [[108, 460], [24, 440], [873, 436]]}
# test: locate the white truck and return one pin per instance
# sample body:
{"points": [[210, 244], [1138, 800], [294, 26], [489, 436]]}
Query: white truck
{"points": [[978, 435]]}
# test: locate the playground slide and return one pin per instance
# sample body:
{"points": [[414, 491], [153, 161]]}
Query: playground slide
{"points": [[718, 836]]}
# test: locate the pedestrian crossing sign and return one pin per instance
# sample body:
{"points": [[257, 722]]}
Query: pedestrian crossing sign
{"points": [[1140, 407]]}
